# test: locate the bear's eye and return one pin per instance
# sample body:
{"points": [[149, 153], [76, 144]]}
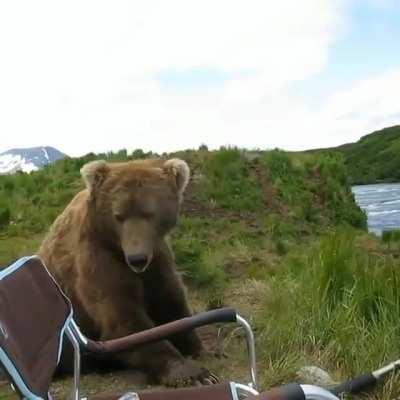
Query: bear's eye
{"points": [[119, 217]]}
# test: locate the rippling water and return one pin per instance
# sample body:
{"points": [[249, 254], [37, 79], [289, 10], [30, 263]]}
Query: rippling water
{"points": [[381, 203]]}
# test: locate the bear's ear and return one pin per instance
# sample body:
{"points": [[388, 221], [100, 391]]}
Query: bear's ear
{"points": [[94, 173], [180, 172]]}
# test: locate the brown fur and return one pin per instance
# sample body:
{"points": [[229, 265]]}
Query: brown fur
{"points": [[127, 209]]}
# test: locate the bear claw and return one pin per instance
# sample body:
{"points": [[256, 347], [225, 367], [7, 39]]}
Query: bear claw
{"points": [[188, 373]]}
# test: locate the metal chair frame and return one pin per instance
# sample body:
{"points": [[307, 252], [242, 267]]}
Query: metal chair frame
{"points": [[80, 341]]}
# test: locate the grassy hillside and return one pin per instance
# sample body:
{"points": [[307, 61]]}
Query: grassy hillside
{"points": [[375, 157], [276, 235], [288, 195]]}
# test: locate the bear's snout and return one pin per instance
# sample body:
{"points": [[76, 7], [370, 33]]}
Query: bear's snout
{"points": [[138, 262]]}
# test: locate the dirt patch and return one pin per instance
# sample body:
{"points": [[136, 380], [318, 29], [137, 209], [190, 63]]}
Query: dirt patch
{"points": [[193, 206], [269, 191]]}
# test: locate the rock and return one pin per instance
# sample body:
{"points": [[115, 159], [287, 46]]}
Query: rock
{"points": [[314, 375]]}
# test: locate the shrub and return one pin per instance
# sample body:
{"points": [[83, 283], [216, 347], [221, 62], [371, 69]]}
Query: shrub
{"points": [[281, 247], [203, 147], [389, 236], [5, 216], [279, 164], [193, 260], [228, 181]]}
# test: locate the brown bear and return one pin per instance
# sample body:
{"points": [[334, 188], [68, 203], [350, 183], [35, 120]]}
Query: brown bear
{"points": [[109, 253]]}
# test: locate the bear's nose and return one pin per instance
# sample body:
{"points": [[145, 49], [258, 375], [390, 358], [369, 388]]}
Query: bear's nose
{"points": [[138, 262]]}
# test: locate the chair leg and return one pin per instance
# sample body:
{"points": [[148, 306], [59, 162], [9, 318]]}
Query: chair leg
{"points": [[77, 363]]}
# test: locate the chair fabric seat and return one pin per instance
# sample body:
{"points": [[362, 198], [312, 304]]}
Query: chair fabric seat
{"points": [[33, 316]]}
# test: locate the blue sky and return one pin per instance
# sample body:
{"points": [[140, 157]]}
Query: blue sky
{"points": [[170, 75], [370, 45]]}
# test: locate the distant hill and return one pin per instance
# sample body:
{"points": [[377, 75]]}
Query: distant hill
{"points": [[29, 159], [375, 158]]}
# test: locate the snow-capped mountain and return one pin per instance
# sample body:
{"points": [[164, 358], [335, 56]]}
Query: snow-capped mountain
{"points": [[28, 160]]}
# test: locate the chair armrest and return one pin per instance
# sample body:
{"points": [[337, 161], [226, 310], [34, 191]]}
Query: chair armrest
{"points": [[291, 391], [162, 332], [294, 391]]}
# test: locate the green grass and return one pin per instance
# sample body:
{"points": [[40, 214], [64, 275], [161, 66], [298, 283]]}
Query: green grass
{"points": [[389, 236], [228, 181], [315, 186], [12, 248], [277, 235], [336, 306]]}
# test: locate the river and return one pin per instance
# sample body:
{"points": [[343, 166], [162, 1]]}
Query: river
{"points": [[381, 202]]}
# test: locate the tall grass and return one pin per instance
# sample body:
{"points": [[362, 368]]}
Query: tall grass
{"points": [[316, 186], [337, 306], [227, 181], [391, 238]]}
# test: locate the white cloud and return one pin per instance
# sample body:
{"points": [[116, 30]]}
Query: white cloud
{"points": [[365, 106], [384, 3], [84, 75]]}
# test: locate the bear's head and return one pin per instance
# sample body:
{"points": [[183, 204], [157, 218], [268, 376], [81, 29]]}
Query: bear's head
{"points": [[133, 205]]}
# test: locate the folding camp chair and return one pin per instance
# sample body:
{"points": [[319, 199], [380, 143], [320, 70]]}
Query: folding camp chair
{"points": [[35, 316]]}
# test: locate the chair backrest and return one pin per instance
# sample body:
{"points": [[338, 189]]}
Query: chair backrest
{"points": [[34, 314]]}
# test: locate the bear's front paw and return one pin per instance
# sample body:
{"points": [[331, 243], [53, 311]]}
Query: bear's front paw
{"points": [[187, 373]]}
